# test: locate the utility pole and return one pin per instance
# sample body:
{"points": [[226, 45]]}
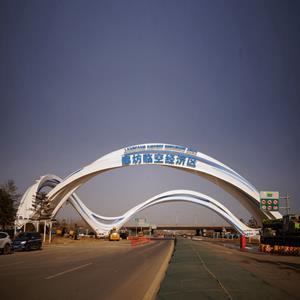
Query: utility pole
{"points": [[287, 203]]}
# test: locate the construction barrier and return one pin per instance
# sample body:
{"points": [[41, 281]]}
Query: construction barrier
{"points": [[243, 242], [282, 250], [138, 240]]}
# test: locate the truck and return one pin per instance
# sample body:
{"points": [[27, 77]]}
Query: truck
{"points": [[114, 235], [281, 235]]}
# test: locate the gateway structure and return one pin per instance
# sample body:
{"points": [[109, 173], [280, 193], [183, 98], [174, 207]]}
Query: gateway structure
{"points": [[159, 154]]}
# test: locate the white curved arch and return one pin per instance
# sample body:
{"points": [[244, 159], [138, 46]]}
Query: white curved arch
{"points": [[102, 224], [25, 209], [105, 224], [171, 156]]}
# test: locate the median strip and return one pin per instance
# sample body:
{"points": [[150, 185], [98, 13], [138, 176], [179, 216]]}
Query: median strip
{"points": [[155, 285], [68, 271]]}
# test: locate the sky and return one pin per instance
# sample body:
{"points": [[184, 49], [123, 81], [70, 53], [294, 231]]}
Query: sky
{"points": [[79, 79]]}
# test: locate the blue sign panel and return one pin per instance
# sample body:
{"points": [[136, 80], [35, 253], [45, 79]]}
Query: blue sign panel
{"points": [[178, 159], [159, 154]]}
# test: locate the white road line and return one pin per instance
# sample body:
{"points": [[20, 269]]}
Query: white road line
{"points": [[68, 271], [11, 264]]}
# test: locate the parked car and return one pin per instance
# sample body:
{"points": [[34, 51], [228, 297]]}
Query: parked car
{"points": [[28, 241], [5, 243]]}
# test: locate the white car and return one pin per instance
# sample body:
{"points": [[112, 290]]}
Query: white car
{"points": [[5, 243]]}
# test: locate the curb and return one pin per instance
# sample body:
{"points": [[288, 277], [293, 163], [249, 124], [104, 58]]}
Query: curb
{"points": [[155, 285]]}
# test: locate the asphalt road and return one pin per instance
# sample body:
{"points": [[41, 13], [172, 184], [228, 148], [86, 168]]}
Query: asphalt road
{"points": [[104, 270], [208, 270]]}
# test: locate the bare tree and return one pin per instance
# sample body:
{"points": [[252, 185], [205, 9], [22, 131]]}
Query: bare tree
{"points": [[9, 199], [252, 222], [41, 206]]}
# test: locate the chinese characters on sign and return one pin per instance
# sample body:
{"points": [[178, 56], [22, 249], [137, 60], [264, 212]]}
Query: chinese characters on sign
{"points": [[269, 201], [179, 159]]}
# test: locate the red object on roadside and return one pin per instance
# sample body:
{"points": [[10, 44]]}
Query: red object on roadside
{"points": [[138, 240], [243, 242]]}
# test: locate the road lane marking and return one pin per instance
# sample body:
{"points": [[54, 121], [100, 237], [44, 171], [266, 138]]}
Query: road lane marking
{"points": [[11, 264], [68, 271], [212, 274]]}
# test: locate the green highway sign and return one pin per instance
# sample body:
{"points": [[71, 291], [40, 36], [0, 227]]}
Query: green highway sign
{"points": [[269, 201], [141, 222]]}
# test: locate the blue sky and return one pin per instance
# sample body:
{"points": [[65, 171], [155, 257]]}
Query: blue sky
{"points": [[80, 79]]}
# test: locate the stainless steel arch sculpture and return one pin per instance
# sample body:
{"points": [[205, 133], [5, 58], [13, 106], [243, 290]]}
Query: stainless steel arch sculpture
{"points": [[148, 154], [171, 156], [25, 209], [102, 224], [27, 212], [105, 224]]}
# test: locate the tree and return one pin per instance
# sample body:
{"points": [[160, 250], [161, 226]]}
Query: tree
{"points": [[252, 222], [40, 205], [8, 203]]}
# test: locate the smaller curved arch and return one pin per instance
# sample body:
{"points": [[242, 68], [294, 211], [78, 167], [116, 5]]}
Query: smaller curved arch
{"points": [[25, 209], [103, 224]]}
